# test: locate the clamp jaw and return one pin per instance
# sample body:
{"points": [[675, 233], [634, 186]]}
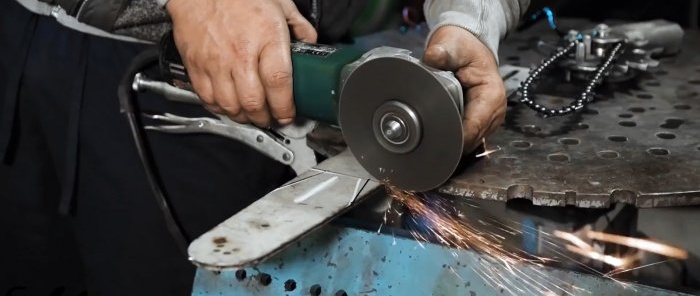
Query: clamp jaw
{"points": [[285, 144]]}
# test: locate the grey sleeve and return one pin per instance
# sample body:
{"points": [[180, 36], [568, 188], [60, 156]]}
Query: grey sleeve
{"points": [[161, 3], [488, 20]]}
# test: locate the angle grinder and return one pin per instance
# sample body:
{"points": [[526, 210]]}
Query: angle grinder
{"points": [[401, 119]]}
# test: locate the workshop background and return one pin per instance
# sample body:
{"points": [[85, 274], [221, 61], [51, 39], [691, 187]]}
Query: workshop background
{"points": [[386, 14], [671, 222], [675, 226], [672, 225]]}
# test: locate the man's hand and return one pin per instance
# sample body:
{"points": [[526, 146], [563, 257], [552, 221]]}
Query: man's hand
{"points": [[237, 54], [455, 49]]}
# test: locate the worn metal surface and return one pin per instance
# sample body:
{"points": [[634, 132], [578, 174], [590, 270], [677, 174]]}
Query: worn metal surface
{"points": [[638, 143], [285, 215], [335, 260]]}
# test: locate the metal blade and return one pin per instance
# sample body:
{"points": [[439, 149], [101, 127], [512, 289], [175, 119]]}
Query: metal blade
{"points": [[284, 216], [402, 122]]}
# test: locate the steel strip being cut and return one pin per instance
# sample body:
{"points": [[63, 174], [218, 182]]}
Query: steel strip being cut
{"points": [[284, 216]]}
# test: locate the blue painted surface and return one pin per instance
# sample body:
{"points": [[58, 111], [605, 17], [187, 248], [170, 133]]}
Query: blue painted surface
{"points": [[530, 236], [367, 263]]}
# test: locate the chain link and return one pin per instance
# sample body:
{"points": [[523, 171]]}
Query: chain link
{"points": [[527, 95]]}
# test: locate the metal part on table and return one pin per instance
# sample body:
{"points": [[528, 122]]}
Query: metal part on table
{"points": [[346, 261], [654, 34], [637, 143], [639, 41], [598, 73], [285, 215], [285, 144], [397, 127]]}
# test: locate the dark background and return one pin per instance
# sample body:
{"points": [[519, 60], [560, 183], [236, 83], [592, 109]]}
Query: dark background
{"points": [[684, 12]]}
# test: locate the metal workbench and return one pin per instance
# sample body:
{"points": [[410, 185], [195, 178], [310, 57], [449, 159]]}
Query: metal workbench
{"points": [[638, 143], [337, 260]]}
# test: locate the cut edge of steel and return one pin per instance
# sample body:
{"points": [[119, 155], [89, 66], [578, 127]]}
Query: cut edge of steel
{"points": [[459, 188], [285, 215]]}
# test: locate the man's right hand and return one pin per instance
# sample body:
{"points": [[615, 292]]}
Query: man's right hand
{"points": [[237, 54]]}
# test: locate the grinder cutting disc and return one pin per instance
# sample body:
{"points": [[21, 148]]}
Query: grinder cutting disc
{"points": [[402, 122]]}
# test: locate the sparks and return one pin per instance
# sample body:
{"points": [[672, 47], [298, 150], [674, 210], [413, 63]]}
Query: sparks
{"points": [[446, 224], [607, 259], [619, 271], [488, 152], [641, 244], [498, 266], [577, 241]]}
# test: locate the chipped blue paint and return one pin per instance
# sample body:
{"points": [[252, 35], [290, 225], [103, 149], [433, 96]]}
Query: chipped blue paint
{"points": [[367, 263]]}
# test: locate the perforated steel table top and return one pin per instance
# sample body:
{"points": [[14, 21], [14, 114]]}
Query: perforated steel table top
{"points": [[637, 143]]}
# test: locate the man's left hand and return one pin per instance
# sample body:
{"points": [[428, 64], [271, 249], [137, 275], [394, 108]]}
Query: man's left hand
{"points": [[455, 49]]}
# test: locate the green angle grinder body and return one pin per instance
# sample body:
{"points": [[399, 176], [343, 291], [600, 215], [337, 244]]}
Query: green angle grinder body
{"points": [[401, 119], [316, 73]]}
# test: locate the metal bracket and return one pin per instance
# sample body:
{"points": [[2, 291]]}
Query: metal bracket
{"points": [[285, 215]]}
